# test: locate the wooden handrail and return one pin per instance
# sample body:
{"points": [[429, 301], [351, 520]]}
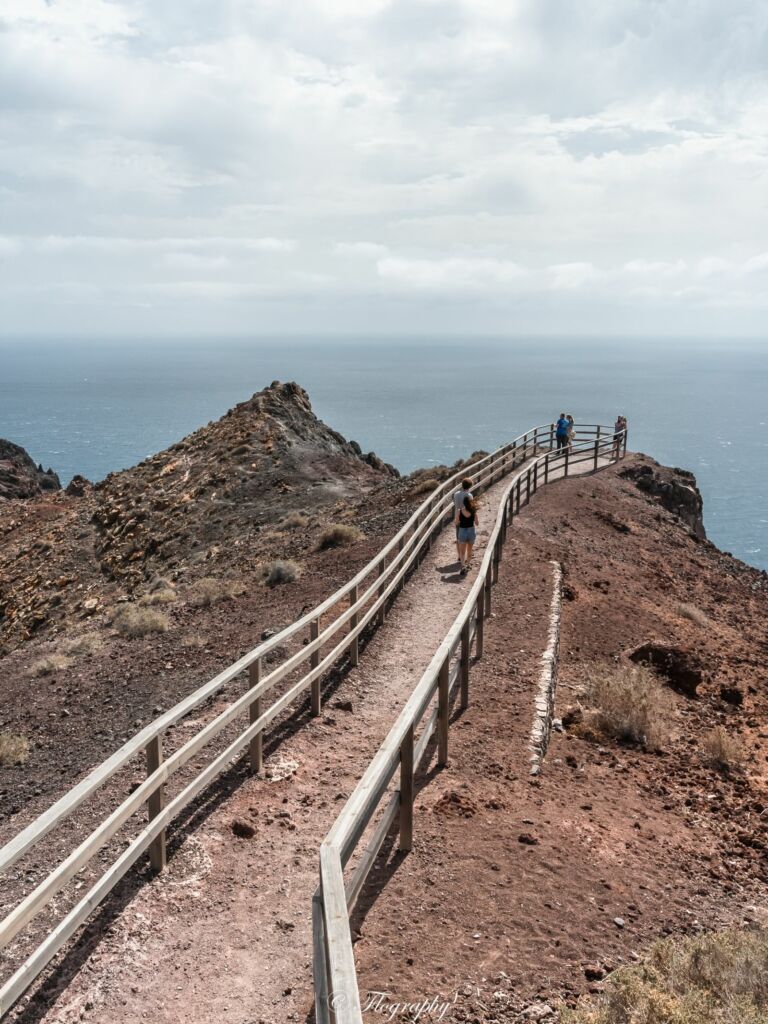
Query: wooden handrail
{"points": [[333, 958], [367, 594]]}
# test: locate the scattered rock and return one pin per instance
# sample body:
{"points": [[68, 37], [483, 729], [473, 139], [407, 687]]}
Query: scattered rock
{"points": [[733, 695], [527, 839], [242, 829], [678, 666]]}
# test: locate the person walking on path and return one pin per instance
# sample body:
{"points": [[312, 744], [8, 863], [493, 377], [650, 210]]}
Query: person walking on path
{"points": [[561, 432], [466, 522], [460, 496]]}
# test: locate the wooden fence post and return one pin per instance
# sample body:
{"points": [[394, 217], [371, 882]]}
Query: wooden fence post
{"points": [[567, 460], [443, 711], [256, 746], [314, 661], [495, 560], [528, 487], [597, 453], [406, 791], [488, 583], [551, 436], [625, 443], [546, 468], [155, 803], [383, 610], [354, 647], [400, 546], [480, 623], [535, 476], [518, 488], [465, 644]]}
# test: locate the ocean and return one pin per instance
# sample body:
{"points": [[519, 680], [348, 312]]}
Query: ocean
{"points": [[90, 408]]}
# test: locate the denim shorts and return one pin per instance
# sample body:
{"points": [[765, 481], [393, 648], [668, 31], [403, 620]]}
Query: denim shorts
{"points": [[466, 535]]}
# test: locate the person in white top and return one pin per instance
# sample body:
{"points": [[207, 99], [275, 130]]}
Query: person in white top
{"points": [[465, 491]]}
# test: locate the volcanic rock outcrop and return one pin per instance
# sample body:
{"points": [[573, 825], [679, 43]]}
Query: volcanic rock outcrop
{"points": [[20, 477]]}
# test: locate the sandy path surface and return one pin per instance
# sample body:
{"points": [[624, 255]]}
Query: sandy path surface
{"points": [[225, 933]]}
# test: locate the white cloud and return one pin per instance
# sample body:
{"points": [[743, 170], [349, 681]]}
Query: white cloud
{"points": [[356, 158]]}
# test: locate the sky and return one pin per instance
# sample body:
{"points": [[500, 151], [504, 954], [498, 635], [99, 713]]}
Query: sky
{"points": [[239, 167]]}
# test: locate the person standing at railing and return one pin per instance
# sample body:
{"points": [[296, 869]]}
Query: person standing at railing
{"points": [[459, 497], [571, 430], [466, 521], [619, 428], [561, 431]]}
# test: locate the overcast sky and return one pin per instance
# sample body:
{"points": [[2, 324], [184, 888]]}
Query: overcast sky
{"points": [[251, 166]]}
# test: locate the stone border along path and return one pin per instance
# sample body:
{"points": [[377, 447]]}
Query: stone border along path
{"points": [[545, 699], [242, 947]]}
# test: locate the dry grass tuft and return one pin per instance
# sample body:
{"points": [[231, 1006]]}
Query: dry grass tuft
{"points": [[722, 751], [281, 571], [208, 591], [628, 703], [294, 521], [87, 644], [426, 486], [13, 749], [339, 536], [131, 620], [164, 595], [690, 611], [719, 978], [49, 665]]}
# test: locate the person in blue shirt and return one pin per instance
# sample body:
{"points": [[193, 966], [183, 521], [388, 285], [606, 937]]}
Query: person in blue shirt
{"points": [[561, 431]]}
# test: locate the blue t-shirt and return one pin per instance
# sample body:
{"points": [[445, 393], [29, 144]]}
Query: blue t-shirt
{"points": [[562, 428]]}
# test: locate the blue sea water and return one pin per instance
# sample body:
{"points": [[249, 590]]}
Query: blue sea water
{"points": [[93, 407]]}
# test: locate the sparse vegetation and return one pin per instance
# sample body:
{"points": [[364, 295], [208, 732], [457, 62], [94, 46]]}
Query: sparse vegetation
{"points": [[294, 521], [628, 703], [719, 978], [13, 749], [339, 536], [722, 751], [131, 620], [86, 644], [49, 665], [690, 611], [208, 591], [163, 595], [425, 486], [281, 571]]}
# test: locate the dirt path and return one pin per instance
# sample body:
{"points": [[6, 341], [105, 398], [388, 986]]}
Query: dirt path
{"points": [[225, 933]]}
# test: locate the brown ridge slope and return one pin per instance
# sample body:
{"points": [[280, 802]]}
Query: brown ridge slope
{"points": [[195, 509], [523, 891]]}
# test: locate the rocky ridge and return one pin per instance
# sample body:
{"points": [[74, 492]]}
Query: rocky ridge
{"points": [[20, 477]]}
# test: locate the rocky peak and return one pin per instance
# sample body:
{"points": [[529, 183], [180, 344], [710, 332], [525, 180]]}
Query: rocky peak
{"points": [[675, 489], [20, 477]]}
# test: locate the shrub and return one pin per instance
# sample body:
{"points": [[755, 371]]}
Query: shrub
{"points": [[425, 486], [163, 595], [281, 572], [690, 611], [13, 749], [719, 978], [208, 591], [294, 521], [722, 751], [629, 702], [339, 536], [86, 644], [49, 665], [132, 620]]}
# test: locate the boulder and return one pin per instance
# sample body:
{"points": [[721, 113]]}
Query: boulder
{"points": [[680, 668]]}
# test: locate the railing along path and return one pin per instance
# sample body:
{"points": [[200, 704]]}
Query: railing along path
{"points": [[324, 637], [337, 996]]}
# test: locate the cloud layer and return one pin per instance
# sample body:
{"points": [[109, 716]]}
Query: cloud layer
{"points": [[408, 165]]}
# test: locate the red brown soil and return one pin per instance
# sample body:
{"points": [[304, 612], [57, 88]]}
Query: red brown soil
{"points": [[660, 841], [513, 896]]}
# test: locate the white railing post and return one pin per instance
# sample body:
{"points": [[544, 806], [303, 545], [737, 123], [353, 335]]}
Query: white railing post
{"points": [[314, 661], [443, 712], [156, 803], [256, 746], [406, 791]]}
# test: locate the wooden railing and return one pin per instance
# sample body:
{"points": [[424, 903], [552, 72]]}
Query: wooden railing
{"points": [[337, 997], [298, 657]]}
